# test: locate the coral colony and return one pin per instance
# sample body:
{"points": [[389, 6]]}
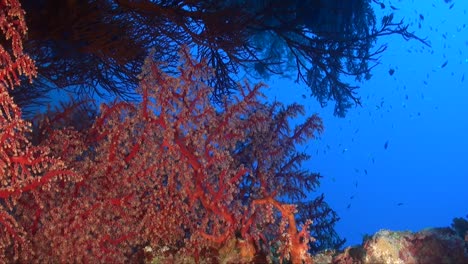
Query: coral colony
{"points": [[169, 177]]}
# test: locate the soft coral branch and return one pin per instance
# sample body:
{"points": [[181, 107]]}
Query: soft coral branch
{"points": [[296, 245]]}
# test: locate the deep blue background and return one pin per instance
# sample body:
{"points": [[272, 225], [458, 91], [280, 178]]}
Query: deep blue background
{"points": [[421, 179]]}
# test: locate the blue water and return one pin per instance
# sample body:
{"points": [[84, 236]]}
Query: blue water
{"points": [[401, 160]]}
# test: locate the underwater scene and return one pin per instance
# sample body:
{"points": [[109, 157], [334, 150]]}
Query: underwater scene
{"points": [[177, 131], [399, 161]]}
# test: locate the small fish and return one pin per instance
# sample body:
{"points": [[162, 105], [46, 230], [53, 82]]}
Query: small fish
{"points": [[349, 206], [421, 17], [444, 64], [391, 72], [451, 6], [352, 197], [365, 171], [386, 144], [394, 8], [399, 204]]}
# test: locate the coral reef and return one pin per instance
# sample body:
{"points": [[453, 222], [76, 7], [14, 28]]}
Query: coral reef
{"points": [[172, 173], [435, 245]]}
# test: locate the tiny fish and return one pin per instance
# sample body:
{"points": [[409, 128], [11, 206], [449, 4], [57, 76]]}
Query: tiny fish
{"points": [[444, 64], [365, 171], [421, 17], [399, 204], [386, 144]]}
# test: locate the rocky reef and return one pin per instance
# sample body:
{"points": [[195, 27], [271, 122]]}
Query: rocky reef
{"points": [[428, 246]]}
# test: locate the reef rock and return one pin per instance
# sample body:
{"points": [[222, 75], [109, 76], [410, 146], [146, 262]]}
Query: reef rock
{"points": [[437, 245]]}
